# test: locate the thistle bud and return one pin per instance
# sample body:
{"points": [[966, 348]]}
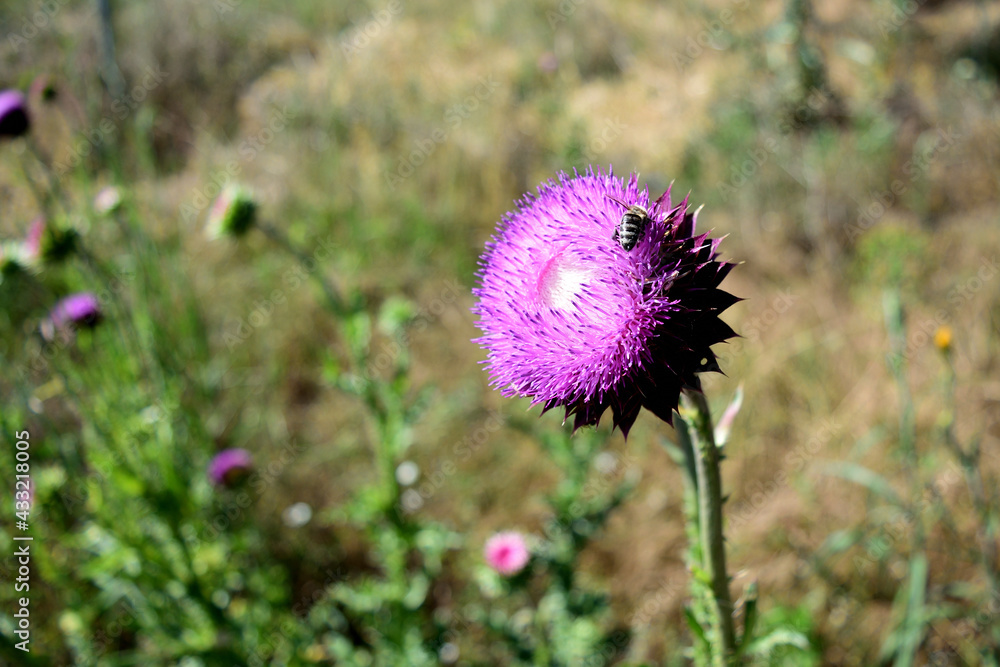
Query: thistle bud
{"points": [[233, 213], [15, 257]]}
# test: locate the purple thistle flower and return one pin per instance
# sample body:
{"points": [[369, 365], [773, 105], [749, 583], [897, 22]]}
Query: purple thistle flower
{"points": [[229, 466], [572, 319], [13, 114], [507, 553], [77, 311]]}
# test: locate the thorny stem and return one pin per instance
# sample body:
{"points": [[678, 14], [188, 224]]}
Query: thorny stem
{"points": [[969, 460], [695, 413], [333, 299]]}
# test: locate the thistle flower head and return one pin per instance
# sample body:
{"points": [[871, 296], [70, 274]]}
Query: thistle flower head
{"points": [[572, 319], [507, 553], [229, 466], [42, 89], [13, 114], [49, 243], [233, 213], [77, 311], [15, 257]]}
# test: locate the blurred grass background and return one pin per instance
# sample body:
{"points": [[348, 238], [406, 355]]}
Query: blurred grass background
{"points": [[845, 148]]}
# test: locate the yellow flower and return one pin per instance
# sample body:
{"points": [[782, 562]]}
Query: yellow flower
{"points": [[942, 338]]}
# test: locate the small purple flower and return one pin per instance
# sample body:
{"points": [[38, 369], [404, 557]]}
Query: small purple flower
{"points": [[229, 466], [13, 114], [548, 62], [572, 319], [507, 553], [77, 311]]}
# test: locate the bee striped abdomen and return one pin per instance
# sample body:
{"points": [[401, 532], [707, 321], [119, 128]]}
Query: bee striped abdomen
{"points": [[632, 227]]}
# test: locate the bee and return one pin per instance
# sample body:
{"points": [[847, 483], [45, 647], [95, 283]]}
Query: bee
{"points": [[632, 226]]}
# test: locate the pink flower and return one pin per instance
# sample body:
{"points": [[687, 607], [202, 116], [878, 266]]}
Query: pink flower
{"points": [[507, 553], [107, 200], [229, 466], [33, 240]]}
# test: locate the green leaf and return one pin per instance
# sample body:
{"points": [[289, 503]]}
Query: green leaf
{"points": [[905, 640], [862, 476], [699, 632], [749, 619], [395, 313], [675, 452], [838, 542], [779, 637]]}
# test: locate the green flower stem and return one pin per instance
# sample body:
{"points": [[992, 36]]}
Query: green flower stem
{"points": [[41, 196], [969, 459], [333, 298], [701, 447]]}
